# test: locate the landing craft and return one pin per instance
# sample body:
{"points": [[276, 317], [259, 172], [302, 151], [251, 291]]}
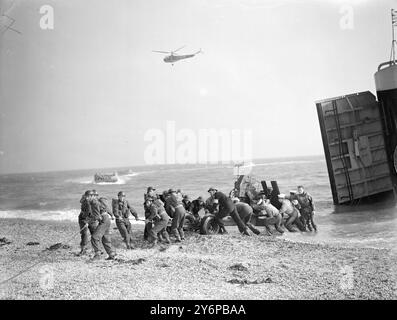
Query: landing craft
{"points": [[359, 136], [172, 57]]}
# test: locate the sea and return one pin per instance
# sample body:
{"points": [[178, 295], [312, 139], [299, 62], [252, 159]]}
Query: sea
{"points": [[56, 195]]}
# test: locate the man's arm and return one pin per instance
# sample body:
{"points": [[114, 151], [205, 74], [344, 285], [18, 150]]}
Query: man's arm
{"points": [[115, 209], [132, 210], [283, 208], [173, 201], [152, 213], [311, 202], [110, 212]]}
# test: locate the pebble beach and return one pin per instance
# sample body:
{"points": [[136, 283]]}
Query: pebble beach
{"points": [[228, 266]]}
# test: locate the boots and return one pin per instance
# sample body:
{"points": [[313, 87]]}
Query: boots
{"points": [[279, 229], [222, 230], [182, 234], [160, 237], [246, 232], [111, 257], [166, 237], [96, 257], [314, 227], [268, 230], [177, 236], [253, 229], [82, 252], [153, 243]]}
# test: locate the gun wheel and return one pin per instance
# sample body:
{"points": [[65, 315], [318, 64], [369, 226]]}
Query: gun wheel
{"points": [[209, 225]]}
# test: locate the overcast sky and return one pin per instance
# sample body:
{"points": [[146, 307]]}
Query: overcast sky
{"points": [[83, 94]]}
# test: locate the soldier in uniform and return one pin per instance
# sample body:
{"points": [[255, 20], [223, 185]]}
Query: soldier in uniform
{"points": [[211, 205], [167, 203], [178, 214], [245, 213], [290, 214], [122, 210], [150, 193], [159, 218], [192, 213], [306, 208], [87, 226], [196, 206], [100, 213], [186, 202], [95, 194], [273, 217], [226, 208]]}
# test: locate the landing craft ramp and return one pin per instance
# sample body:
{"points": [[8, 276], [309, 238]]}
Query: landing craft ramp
{"points": [[354, 146]]}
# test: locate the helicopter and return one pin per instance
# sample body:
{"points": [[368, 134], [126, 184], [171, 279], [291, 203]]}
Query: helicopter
{"points": [[172, 57]]}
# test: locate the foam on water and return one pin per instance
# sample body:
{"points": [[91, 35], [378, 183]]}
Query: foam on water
{"points": [[58, 215]]}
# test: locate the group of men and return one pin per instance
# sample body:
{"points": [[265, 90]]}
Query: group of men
{"points": [[293, 211], [95, 219], [158, 210]]}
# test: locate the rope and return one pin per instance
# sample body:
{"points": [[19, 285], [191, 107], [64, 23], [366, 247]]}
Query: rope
{"points": [[38, 262]]}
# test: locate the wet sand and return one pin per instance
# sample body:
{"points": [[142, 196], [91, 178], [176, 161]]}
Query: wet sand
{"points": [[202, 267]]}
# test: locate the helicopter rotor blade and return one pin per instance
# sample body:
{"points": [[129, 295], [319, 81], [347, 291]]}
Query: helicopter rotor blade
{"points": [[167, 52], [178, 49]]}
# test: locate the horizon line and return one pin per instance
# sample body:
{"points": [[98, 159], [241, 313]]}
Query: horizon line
{"points": [[159, 164]]}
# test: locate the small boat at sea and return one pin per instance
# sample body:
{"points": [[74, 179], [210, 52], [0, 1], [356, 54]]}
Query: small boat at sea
{"points": [[100, 177]]}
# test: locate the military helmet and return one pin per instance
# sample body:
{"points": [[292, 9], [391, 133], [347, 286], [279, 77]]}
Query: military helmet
{"points": [[121, 193]]}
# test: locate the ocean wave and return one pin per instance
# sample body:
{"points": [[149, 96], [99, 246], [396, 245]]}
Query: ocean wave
{"points": [[82, 180], [56, 215], [133, 174], [285, 162], [119, 181]]}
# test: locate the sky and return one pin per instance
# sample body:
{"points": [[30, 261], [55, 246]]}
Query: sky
{"points": [[86, 93]]}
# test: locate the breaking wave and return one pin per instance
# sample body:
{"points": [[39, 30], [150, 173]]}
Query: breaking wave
{"points": [[57, 215], [284, 163]]}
